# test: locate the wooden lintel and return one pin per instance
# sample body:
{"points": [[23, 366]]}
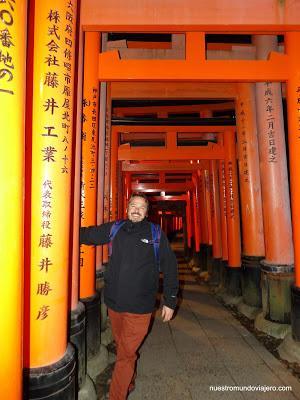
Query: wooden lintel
{"points": [[168, 198], [128, 111], [173, 90], [171, 128], [209, 152], [159, 187], [275, 69], [164, 166]]}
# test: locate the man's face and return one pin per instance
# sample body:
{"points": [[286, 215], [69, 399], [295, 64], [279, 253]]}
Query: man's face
{"points": [[137, 209]]}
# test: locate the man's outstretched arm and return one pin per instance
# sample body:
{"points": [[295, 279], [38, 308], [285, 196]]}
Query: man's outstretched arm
{"points": [[95, 235]]}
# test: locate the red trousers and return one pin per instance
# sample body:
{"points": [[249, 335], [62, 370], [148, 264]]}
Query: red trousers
{"points": [[128, 331]]}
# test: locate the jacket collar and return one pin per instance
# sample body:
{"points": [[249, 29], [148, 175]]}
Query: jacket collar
{"points": [[135, 226]]}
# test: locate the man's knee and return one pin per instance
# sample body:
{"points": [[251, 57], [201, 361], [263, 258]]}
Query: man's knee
{"points": [[128, 350]]}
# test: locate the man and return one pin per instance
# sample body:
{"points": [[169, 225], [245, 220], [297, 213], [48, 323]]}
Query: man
{"points": [[131, 284]]}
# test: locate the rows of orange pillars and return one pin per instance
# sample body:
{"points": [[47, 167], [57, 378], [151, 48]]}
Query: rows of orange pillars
{"points": [[38, 343]]}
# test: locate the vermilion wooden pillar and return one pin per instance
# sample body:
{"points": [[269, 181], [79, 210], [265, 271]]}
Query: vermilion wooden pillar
{"points": [[189, 220], [114, 175], [204, 240], [253, 248], [277, 267], [77, 315], [89, 162], [127, 191], [202, 205], [223, 217], [88, 294], [106, 208], [293, 102], [100, 186], [100, 198], [209, 248], [233, 215], [196, 215], [12, 138], [208, 203], [51, 361], [215, 222], [184, 228]]}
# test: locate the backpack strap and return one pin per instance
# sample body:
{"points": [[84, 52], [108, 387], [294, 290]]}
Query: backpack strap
{"points": [[113, 231], [156, 234]]}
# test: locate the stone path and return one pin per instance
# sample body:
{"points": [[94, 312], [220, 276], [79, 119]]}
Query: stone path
{"points": [[205, 345]]}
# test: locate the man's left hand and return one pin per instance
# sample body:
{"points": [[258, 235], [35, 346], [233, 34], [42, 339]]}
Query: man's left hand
{"points": [[167, 313]]}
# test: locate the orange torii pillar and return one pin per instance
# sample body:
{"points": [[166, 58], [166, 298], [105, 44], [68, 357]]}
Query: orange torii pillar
{"points": [[100, 184], [293, 108], [233, 271], [277, 267], [203, 219], [196, 214], [121, 190], [253, 248], [114, 195], [100, 202], [209, 248], [12, 137], [106, 194], [51, 360], [127, 192], [189, 220], [90, 122], [184, 228], [223, 217], [77, 327], [215, 223]]}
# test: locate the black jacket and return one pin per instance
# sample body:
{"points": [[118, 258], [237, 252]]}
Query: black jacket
{"points": [[132, 275]]}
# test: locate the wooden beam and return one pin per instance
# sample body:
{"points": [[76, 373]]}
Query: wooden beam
{"points": [[111, 68], [210, 152], [168, 198], [254, 16], [161, 187], [179, 167], [193, 108], [194, 67], [173, 90], [172, 128]]}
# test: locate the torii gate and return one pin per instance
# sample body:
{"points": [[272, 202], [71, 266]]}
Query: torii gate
{"points": [[224, 149], [198, 17], [278, 68]]}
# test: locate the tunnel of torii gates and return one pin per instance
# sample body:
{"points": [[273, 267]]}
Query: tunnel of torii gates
{"points": [[77, 140]]}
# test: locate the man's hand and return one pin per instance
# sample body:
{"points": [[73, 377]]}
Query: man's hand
{"points": [[167, 313]]}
